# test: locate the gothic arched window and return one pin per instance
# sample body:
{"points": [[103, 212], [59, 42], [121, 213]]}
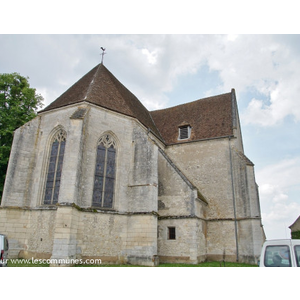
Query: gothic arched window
{"points": [[105, 171], [55, 167]]}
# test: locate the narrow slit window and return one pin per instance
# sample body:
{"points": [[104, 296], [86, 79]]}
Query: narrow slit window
{"points": [[184, 132], [55, 168], [171, 233], [104, 180]]}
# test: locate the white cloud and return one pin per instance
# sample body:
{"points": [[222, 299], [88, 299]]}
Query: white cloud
{"points": [[268, 64], [151, 56], [278, 219], [277, 182], [232, 37], [277, 78], [284, 173], [284, 101], [151, 65]]}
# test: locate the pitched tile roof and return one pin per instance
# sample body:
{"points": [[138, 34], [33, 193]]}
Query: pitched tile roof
{"points": [[297, 220], [209, 118], [100, 87]]}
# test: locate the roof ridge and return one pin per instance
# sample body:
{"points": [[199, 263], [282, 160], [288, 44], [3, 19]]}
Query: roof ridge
{"points": [[91, 83], [60, 100], [184, 104], [113, 79], [100, 87], [118, 83]]}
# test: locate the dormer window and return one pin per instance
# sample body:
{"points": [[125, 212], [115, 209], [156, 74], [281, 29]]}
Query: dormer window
{"points": [[184, 132]]}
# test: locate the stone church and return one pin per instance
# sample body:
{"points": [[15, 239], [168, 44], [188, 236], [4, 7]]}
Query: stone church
{"points": [[97, 175]]}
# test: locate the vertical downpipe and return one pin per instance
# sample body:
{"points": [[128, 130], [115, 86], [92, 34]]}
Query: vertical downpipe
{"points": [[234, 204]]}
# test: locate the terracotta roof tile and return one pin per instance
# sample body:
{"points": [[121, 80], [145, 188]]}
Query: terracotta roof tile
{"points": [[209, 118], [100, 87]]}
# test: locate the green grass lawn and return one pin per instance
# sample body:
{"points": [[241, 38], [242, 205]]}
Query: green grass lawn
{"points": [[22, 263], [210, 264], [204, 264]]}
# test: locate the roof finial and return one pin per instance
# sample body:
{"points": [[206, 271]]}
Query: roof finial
{"points": [[103, 49]]}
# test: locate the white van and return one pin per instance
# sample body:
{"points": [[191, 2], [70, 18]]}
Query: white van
{"points": [[3, 250], [280, 253]]}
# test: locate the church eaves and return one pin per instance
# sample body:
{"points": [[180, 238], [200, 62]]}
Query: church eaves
{"points": [[100, 87]]}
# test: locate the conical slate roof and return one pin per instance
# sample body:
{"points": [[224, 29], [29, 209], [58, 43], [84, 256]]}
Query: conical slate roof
{"points": [[102, 88]]}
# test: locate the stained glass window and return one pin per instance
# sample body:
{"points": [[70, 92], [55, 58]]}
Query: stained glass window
{"points": [[55, 168], [105, 170]]}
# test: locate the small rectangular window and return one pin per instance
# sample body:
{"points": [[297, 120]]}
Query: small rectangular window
{"points": [[184, 132], [171, 233]]}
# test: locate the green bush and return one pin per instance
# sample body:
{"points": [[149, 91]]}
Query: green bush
{"points": [[296, 235]]}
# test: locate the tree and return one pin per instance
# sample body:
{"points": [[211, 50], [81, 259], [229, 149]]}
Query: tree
{"points": [[18, 105]]}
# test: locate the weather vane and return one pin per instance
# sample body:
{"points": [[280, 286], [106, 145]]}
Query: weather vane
{"points": [[103, 49]]}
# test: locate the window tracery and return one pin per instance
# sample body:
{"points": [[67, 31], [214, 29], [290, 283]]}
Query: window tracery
{"points": [[104, 180], [55, 167]]}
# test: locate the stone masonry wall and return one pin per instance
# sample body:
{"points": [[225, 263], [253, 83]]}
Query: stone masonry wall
{"points": [[249, 228], [143, 177], [189, 245], [30, 232], [102, 235], [20, 176], [221, 243], [206, 164], [179, 207], [127, 231], [226, 178], [68, 233], [141, 242], [175, 196], [98, 122]]}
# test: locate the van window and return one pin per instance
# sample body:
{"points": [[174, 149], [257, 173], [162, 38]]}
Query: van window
{"points": [[297, 255], [277, 256]]}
